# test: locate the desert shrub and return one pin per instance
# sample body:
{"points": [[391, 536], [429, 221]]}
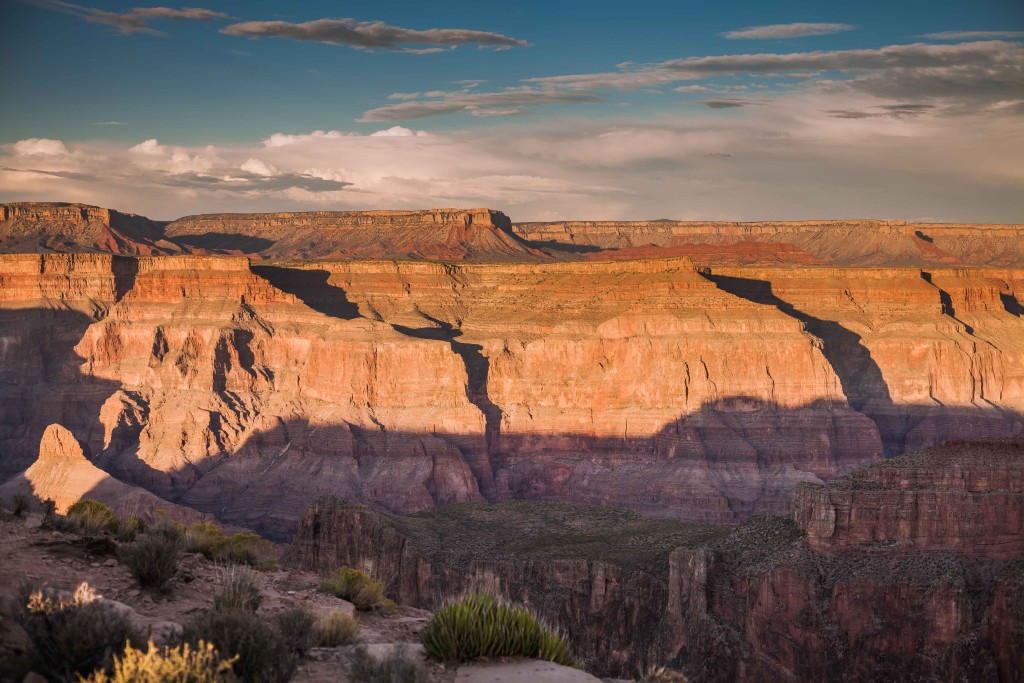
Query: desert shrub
{"points": [[91, 517], [263, 655], [211, 541], [335, 629], [239, 590], [71, 634], [296, 625], [357, 587], [20, 504], [153, 560], [398, 667], [661, 674], [181, 664], [480, 625], [126, 528]]}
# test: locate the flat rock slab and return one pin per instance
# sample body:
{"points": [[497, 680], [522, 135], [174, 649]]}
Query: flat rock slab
{"points": [[522, 671]]}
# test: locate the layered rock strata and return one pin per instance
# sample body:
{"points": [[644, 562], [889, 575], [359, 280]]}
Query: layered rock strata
{"points": [[60, 227], [849, 243], [247, 390], [751, 603]]}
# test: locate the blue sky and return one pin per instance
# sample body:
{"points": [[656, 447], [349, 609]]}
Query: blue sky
{"points": [[905, 109]]}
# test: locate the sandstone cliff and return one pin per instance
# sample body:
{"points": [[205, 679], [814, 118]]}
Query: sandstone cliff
{"points": [[751, 603], [64, 475], [851, 243], [59, 227], [248, 390]]}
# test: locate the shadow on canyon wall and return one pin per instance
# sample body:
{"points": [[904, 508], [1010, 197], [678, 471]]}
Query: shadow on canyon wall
{"points": [[43, 341]]}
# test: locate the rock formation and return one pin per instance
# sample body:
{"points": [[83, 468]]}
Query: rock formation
{"points": [[847, 243], [246, 390], [59, 227], [751, 603], [64, 475]]}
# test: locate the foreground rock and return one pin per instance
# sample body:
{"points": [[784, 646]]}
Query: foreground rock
{"points": [[526, 671], [751, 603]]}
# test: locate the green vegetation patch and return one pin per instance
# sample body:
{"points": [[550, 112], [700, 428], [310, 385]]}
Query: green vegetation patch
{"points": [[520, 530]]}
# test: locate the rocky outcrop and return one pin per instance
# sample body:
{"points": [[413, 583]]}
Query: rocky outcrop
{"points": [[58, 227], [762, 601], [964, 496], [849, 243], [437, 234], [64, 475]]}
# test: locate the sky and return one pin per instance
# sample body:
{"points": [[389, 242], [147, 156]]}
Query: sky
{"points": [[547, 110]]}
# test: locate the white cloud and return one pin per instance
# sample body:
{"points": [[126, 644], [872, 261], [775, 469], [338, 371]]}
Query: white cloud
{"points": [[796, 30], [258, 167], [133, 21], [40, 147], [398, 132]]}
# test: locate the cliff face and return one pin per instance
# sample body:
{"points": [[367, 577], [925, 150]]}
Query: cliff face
{"points": [[247, 390], [759, 602], [58, 227], [851, 243]]}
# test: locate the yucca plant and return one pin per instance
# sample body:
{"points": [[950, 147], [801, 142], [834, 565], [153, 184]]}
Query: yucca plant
{"points": [[239, 590], [480, 625]]}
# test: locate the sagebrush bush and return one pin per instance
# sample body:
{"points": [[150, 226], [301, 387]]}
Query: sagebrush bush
{"points": [[91, 517], [126, 528], [243, 548], [239, 590], [398, 667], [296, 625], [661, 674], [153, 560], [360, 589], [480, 625], [71, 635], [21, 503], [335, 629], [182, 664], [262, 651]]}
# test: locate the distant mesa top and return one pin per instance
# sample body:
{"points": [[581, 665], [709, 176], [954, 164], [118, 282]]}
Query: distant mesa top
{"points": [[489, 235]]}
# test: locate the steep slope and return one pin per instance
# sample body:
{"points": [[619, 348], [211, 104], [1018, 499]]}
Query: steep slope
{"points": [[29, 227], [757, 602], [247, 390], [438, 234], [848, 243], [64, 475]]}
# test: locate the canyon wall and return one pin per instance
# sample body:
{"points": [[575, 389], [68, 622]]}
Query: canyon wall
{"points": [[246, 390], [762, 601], [836, 242]]}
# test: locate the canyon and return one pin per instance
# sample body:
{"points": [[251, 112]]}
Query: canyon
{"points": [[894, 588], [742, 392]]}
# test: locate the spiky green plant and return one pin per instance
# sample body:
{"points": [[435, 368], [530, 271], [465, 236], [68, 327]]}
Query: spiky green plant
{"points": [[360, 589], [480, 625], [182, 664]]}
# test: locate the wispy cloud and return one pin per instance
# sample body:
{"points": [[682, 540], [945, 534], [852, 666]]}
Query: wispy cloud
{"points": [[777, 31], [371, 35], [962, 76], [108, 123], [505, 103], [135, 20], [973, 35]]}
